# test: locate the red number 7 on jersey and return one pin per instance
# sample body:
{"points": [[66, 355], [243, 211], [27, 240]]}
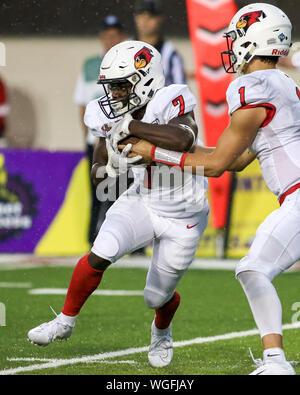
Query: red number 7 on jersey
{"points": [[179, 100]]}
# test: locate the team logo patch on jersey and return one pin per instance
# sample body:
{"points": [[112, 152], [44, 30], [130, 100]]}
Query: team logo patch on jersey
{"points": [[249, 19], [106, 128], [142, 58]]}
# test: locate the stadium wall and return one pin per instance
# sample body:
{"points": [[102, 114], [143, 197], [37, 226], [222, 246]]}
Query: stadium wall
{"points": [[41, 74]]}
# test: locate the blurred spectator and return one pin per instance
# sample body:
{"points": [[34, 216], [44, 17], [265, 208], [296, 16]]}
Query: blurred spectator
{"points": [[149, 19], [292, 61], [111, 33], [4, 110]]}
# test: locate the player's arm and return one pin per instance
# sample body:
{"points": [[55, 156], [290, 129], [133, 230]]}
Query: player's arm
{"points": [[242, 161], [234, 141], [177, 135], [100, 158], [239, 164]]}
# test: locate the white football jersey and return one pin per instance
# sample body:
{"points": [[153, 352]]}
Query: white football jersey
{"points": [[277, 143], [176, 195]]}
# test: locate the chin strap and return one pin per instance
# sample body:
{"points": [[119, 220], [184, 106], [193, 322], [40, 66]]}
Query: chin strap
{"points": [[246, 59]]}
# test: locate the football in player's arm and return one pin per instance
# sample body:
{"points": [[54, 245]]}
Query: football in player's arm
{"points": [[231, 153], [179, 134]]}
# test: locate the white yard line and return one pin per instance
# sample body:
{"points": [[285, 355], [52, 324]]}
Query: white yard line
{"points": [[15, 285], [55, 360], [31, 359], [73, 361], [63, 291], [100, 357]]}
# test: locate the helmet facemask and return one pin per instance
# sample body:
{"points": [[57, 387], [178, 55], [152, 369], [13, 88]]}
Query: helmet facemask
{"points": [[230, 60], [116, 106], [228, 57]]}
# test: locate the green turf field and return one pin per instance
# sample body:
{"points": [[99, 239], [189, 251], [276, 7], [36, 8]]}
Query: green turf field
{"points": [[113, 332]]}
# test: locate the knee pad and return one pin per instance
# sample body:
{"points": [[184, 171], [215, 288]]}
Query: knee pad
{"points": [[155, 299], [249, 263], [106, 246]]}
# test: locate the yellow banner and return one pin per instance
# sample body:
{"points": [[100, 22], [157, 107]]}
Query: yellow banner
{"points": [[67, 234], [252, 203]]}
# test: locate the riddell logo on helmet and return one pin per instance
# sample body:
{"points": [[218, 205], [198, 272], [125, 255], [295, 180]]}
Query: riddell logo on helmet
{"points": [[280, 52], [142, 58]]}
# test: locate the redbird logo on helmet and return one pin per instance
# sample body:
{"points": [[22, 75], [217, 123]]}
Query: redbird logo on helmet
{"points": [[248, 19], [142, 58]]}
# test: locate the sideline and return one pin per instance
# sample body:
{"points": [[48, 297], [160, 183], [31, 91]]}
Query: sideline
{"points": [[28, 261]]}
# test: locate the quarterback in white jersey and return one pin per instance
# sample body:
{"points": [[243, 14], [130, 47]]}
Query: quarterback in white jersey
{"points": [[277, 143], [162, 206], [264, 105]]}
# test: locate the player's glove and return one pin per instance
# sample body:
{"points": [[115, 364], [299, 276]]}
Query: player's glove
{"points": [[119, 163], [119, 131]]}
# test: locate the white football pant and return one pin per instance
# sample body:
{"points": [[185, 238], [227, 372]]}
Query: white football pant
{"points": [[130, 225], [276, 246]]}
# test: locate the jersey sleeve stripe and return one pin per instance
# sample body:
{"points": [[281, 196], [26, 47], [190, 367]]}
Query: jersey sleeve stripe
{"points": [[270, 108]]}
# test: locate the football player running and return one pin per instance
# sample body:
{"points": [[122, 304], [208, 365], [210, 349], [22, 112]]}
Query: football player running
{"points": [[172, 216], [264, 104]]}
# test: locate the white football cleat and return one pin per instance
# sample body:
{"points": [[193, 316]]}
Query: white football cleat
{"points": [[161, 347], [46, 333], [272, 368]]}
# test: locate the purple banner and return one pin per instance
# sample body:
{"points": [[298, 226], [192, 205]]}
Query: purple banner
{"points": [[33, 185]]}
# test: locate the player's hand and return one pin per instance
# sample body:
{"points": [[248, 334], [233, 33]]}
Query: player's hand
{"points": [[119, 131], [119, 163], [140, 147]]}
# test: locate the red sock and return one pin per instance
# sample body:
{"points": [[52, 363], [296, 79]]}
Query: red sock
{"points": [[83, 283], [164, 314]]}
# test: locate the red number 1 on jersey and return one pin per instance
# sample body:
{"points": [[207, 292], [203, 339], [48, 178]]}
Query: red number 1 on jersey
{"points": [[242, 96], [179, 100]]}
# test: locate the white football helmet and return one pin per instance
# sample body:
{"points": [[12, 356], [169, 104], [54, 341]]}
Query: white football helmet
{"points": [[135, 67], [258, 29]]}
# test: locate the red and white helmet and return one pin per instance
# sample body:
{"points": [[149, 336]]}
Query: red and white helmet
{"points": [[135, 64], [257, 29]]}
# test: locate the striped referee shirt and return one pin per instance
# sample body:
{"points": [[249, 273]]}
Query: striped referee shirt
{"points": [[172, 63]]}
